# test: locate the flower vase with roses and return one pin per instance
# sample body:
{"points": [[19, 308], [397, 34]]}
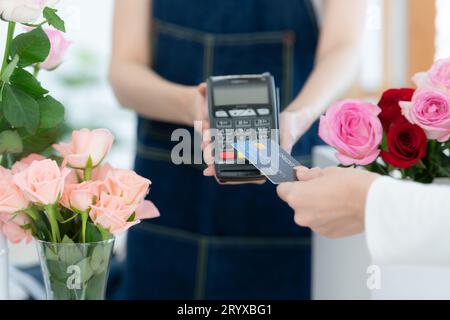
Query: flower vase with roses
{"points": [[72, 205], [73, 210], [407, 134]]}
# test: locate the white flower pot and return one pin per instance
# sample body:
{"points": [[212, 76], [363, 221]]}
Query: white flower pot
{"points": [[415, 281]]}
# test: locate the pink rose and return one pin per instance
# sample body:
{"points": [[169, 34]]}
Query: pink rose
{"points": [[59, 45], [354, 130], [86, 144], [81, 196], [21, 165], [439, 74], [112, 213], [127, 184], [15, 233], [42, 182], [430, 110]]}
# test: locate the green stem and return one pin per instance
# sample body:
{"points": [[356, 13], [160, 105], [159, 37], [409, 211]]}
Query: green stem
{"points": [[88, 173], [9, 38], [32, 25], [84, 219], [51, 212], [36, 70], [3, 161], [32, 213]]}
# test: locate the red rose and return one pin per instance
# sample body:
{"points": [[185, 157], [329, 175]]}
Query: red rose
{"points": [[389, 104], [407, 144]]}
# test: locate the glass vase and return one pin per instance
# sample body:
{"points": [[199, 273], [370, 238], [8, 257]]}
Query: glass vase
{"points": [[75, 271]]}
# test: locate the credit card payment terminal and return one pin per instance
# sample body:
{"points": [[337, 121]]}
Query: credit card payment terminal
{"points": [[241, 107]]}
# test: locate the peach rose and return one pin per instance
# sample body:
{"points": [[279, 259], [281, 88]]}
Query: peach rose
{"points": [[42, 182], [73, 177], [147, 210], [86, 144], [81, 196], [5, 174], [112, 213], [127, 184], [15, 233], [21, 165], [101, 172], [12, 199]]}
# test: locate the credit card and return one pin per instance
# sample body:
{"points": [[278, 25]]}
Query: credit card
{"points": [[269, 158]]}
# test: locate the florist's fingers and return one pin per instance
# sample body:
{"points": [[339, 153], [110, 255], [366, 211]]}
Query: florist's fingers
{"points": [[202, 89], [206, 139], [308, 174], [209, 171], [208, 155]]}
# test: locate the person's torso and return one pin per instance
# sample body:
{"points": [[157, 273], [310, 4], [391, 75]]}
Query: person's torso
{"points": [[195, 39]]}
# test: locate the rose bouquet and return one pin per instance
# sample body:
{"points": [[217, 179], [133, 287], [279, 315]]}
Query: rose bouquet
{"points": [[408, 132], [30, 116], [73, 209]]}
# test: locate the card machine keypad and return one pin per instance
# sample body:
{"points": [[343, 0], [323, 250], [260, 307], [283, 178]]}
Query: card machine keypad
{"points": [[241, 108], [232, 127]]}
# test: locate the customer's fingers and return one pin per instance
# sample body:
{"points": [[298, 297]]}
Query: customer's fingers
{"points": [[304, 174], [284, 189]]}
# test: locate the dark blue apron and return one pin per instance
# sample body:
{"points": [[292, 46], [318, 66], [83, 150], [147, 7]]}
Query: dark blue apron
{"points": [[212, 241]]}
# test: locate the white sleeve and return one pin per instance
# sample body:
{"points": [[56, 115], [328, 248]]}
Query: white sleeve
{"points": [[408, 223]]}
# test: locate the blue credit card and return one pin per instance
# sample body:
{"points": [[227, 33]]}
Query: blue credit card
{"points": [[269, 158]]}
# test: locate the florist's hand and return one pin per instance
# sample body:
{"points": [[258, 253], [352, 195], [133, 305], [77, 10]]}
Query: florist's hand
{"points": [[200, 109], [293, 125], [330, 201]]}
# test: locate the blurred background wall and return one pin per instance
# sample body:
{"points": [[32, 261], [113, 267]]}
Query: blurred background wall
{"points": [[401, 38]]}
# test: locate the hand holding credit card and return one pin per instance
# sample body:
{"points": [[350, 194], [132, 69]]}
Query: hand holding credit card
{"points": [[268, 157]]}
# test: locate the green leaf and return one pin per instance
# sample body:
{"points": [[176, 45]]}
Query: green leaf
{"points": [[6, 75], [97, 257], [32, 47], [50, 254], [52, 112], [53, 19], [38, 142], [86, 270], [132, 217], [69, 253], [92, 233], [10, 142], [28, 83], [20, 109]]}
